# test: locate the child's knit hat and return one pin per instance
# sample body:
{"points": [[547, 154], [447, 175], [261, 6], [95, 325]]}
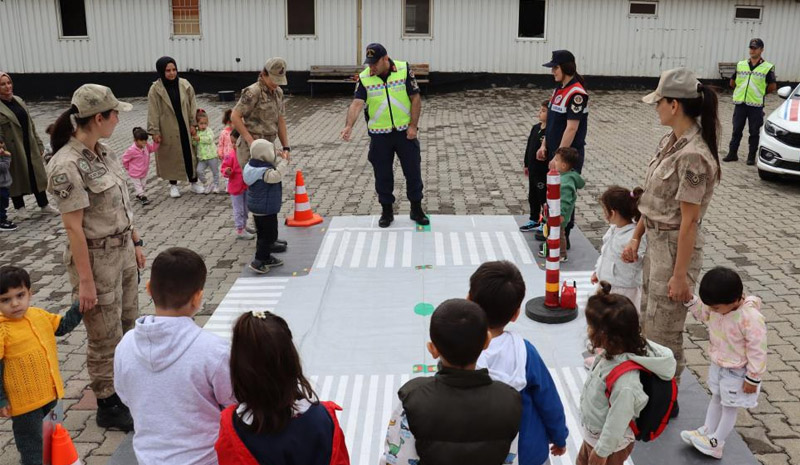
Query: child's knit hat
{"points": [[263, 150]]}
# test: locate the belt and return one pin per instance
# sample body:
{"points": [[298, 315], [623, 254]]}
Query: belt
{"points": [[657, 226], [117, 240], [269, 137]]}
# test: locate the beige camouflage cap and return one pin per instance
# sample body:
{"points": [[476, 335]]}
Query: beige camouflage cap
{"points": [[91, 99], [276, 69], [675, 83]]}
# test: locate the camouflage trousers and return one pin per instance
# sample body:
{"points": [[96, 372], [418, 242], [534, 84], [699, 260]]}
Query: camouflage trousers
{"points": [[662, 318], [116, 281]]}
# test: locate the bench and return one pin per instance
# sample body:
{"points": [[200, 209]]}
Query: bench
{"points": [[349, 74], [726, 69]]}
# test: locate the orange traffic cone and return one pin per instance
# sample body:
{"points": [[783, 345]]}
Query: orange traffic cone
{"points": [[303, 216], [62, 450]]}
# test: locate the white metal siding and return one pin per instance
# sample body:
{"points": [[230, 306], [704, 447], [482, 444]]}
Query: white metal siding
{"points": [[466, 36]]}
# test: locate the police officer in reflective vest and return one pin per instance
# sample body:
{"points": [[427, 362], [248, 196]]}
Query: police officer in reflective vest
{"points": [[752, 81], [393, 107]]}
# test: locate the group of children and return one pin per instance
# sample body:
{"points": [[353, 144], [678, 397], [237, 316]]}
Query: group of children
{"points": [[255, 188], [493, 399]]}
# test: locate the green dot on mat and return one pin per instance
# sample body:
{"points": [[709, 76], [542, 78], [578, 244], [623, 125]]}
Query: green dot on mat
{"points": [[423, 309]]}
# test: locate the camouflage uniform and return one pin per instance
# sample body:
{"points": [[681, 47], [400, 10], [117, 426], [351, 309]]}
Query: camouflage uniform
{"points": [[79, 179], [261, 108], [683, 170]]}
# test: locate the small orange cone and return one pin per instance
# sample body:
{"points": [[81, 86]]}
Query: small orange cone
{"points": [[303, 216], [62, 450]]}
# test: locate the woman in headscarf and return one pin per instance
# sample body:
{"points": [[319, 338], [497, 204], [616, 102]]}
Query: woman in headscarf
{"points": [[27, 165], [171, 121]]}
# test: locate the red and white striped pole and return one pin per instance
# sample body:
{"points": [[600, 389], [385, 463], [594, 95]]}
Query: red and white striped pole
{"points": [[552, 263]]}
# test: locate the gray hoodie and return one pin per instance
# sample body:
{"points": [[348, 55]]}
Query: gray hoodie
{"points": [[5, 171], [175, 378], [610, 423]]}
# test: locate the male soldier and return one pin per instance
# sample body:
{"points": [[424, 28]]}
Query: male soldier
{"points": [[752, 81], [393, 107], [259, 114]]}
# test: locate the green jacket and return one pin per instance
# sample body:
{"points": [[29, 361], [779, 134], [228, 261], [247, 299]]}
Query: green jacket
{"points": [[11, 130], [627, 398], [571, 181]]}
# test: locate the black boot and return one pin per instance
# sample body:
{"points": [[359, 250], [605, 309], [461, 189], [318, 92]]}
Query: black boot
{"points": [[731, 157], [751, 159], [418, 215], [112, 413], [387, 216]]}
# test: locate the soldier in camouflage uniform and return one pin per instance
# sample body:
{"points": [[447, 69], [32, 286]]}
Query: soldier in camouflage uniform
{"points": [[260, 112], [89, 185], [678, 188]]}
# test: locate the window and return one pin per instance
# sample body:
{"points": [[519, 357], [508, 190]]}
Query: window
{"points": [[185, 17], [642, 8], [73, 18], [300, 17], [532, 19], [748, 13], [417, 17]]}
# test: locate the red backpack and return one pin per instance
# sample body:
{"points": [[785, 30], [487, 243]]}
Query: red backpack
{"points": [[661, 395]]}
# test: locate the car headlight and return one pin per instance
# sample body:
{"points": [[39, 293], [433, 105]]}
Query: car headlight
{"points": [[774, 130]]}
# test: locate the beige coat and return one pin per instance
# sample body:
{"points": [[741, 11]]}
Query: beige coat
{"points": [[161, 121], [11, 130]]}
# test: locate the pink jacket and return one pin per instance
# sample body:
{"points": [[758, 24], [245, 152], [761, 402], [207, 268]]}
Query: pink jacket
{"points": [[224, 146], [137, 161], [737, 339], [236, 185]]}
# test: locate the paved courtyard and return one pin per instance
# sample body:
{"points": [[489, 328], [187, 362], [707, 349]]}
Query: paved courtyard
{"points": [[472, 165]]}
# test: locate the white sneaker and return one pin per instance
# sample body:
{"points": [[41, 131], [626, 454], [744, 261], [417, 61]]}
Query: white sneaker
{"points": [[244, 235], [215, 189], [174, 192], [687, 435], [49, 210], [208, 189], [197, 188], [708, 446]]}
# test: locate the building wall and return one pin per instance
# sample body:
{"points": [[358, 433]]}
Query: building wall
{"points": [[467, 36]]}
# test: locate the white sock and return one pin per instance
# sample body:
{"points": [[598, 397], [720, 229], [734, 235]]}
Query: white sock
{"points": [[726, 423], [713, 413]]}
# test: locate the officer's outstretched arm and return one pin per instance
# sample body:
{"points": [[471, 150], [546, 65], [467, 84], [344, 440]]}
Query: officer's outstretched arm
{"points": [[352, 114]]}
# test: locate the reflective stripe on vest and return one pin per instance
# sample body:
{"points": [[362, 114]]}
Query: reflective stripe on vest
{"points": [[388, 104], [751, 85]]}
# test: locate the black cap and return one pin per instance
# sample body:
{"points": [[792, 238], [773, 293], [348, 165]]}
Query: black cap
{"points": [[559, 58], [756, 43], [374, 53]]}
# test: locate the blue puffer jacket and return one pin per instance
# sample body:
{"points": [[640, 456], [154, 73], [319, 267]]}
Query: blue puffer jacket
{"points": [[262, 198]]}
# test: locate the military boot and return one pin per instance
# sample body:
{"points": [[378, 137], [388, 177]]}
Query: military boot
{"points": [[387, 216], [418, 215], [112, 413]]}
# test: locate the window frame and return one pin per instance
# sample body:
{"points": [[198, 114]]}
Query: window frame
{"points": [[643, 2], [414, 35], [61, 35], [197, 36], [300, 36], [760, 18], [546, 21]]}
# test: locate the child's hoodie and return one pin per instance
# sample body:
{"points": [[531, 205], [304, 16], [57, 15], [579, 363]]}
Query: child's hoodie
{"points": [[175, 378], [609, 424], [263, 174], [514, 361], [571, 181]]}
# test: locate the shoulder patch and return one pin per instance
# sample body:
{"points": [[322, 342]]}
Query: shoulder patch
{"points": [[578, 99], [695, 179], [60, 179], [64, 191], [576, 108], [83, 165]]}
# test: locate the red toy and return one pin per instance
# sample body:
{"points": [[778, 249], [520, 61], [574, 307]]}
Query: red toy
{"points": [[569, 295]]}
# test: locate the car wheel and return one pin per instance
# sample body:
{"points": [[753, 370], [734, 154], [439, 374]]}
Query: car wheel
{"points": [[767, 176]]}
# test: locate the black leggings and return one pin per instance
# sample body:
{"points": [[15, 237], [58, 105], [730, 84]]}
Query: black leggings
{"points": [[41, 200], [266, 234]]}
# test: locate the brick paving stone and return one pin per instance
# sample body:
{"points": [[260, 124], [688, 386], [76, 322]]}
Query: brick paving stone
{"points": [[472, 164]]}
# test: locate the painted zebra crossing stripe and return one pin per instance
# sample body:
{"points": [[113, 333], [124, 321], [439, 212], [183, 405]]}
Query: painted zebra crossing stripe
{"points": [[245, 295], [379, 249], [368, 401]]}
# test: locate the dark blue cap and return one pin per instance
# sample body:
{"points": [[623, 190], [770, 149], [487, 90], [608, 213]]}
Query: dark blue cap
{"points": [[756, 43], [374, 53], [559, 58]]}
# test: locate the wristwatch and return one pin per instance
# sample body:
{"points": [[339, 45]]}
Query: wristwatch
{"points": [[138, 243], [287, 149]]}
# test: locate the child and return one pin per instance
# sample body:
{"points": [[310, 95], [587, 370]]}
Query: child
{"points": [[5, 183], [498, 288], [47, 154], [136, 161], [236, 188], [460, 415], [738, 351], [536, 170], [613, 326], [30, 383], [566, 158], [263, 174], [278, 409], [226, 145], [207, 157], [173, 375]]}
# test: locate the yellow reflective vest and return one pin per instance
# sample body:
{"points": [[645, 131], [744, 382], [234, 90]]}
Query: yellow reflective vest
{"points": [[388, 104], [751, 85]]}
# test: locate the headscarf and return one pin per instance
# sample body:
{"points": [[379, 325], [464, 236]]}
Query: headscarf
{"points": [[3, 73], [172, 86]]}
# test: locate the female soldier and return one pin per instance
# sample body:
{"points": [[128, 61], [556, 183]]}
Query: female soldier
{"points": [[678, 188], [103, 249], [27, 165], [171, 109]]}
